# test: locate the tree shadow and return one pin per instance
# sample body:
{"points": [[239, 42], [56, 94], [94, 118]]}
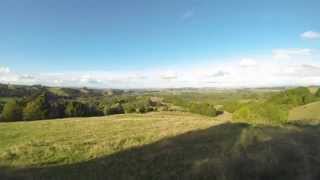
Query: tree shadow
{"points": [[228, 151]]}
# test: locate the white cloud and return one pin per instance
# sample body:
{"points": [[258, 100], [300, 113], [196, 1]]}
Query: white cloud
{"points": [[169, 75], [310, 35], [286, 54], [247, 62], [300, 67], [4, 70]]}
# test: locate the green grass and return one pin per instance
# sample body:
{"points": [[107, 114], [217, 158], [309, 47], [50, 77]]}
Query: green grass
{"points": [[307, 112], [162, 145], [56, 142]]}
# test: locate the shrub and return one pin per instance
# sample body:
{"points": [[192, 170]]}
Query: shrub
{"points": [[114, 109], [141, 109], [12, 111]]}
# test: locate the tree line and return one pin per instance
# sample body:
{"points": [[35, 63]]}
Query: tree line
{"points": [[47, 105], [191, 106]]}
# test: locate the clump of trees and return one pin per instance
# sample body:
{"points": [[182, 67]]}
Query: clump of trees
{"points": [[12, 111], [194, 107], [276, 108], [47, 105], [79, 109], [293, 97], [37, 109], [261, 112], [203, 108], [114, 109], [141, 105]]}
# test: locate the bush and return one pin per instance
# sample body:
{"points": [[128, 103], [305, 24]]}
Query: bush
{"points": [[114, 109], [12, 111], [129, 108], [141, 109]]}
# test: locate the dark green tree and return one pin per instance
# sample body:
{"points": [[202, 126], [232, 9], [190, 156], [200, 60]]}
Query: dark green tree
{"points": [[56, 110], [76, 109], [114, 109]]}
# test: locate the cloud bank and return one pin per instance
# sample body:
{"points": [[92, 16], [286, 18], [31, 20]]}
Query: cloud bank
{"points": [[282, 67]]}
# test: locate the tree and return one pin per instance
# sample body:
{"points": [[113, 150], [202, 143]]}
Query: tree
{"points": [[141, 109], [12, 111], [75, 109], [114, 109], [318, 93], [1, 106], [129, 108], [56, 110], [37, 109]]}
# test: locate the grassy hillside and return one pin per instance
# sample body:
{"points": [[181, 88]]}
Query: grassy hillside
{"points": [[165, 145], [313, 89], [307, 112]]}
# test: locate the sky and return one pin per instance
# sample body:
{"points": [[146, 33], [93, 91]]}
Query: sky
{"points": [[160, 44]]}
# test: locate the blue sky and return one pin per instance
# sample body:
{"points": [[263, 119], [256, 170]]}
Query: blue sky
{"points": [[117, 37]]}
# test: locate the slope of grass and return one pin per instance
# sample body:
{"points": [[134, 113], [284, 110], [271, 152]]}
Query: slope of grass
{"points": [[54, 142], [313, 89], [307, 112], [165, 145]]}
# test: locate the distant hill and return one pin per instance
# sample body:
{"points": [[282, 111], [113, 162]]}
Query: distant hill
{"points": [[9, 90]]}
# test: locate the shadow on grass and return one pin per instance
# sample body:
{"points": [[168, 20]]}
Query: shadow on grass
{"points": [[228, 151]]}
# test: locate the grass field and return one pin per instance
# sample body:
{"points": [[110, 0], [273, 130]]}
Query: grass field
{"points": [[163, 145], [307, 112]]}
